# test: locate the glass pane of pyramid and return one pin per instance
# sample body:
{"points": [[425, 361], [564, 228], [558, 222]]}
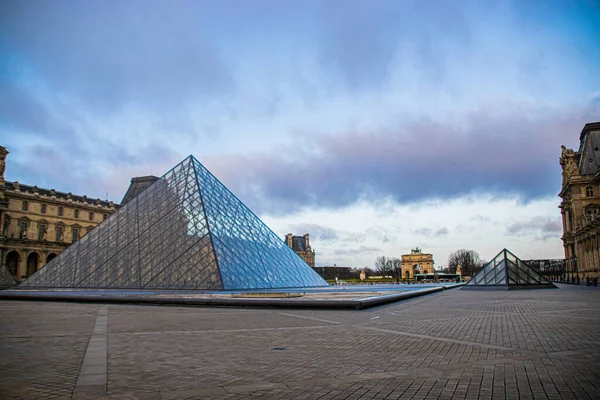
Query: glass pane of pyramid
{"points": [[249, 254], [186, 231]]}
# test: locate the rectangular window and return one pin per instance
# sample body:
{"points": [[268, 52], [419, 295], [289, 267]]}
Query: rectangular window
{"points": [[41, 231], [25, 206], [5, 226], [59, 232], [76, 213], [75, 235], [103, 217], [23, 230], [91, 216], [60, 211]]}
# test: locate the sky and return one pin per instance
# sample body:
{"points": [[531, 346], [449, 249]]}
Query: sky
{"points": [[376, 127]]}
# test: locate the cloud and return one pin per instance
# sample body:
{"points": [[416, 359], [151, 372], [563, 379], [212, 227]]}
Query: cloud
{"points": [[542, 228], [511, 149], [428, 232], [360, 250], [107, 55], [362, 42], [482, 236], [441, 232], [317, 232]]}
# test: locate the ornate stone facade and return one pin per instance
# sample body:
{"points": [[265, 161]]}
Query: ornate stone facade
{"points": [[37, 224], [580, 206], [301, 245], [416, 262]]}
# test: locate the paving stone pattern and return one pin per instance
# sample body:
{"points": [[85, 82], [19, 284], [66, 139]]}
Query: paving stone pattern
{"points": [[526, 344]]}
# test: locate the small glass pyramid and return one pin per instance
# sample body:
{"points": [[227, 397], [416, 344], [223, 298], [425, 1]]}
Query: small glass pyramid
{"points": [[507, 271], [6, 278], [186, 231]]}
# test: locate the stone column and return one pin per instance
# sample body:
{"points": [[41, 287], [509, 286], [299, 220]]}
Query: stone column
{"points": [[22, 266]]}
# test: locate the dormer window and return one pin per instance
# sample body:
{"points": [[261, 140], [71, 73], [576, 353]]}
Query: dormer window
{"points": [[589, 191]]}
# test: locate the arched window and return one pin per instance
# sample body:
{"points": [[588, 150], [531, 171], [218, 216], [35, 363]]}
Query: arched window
{"points": [[32, 263], [12, 263], [589, 191]]}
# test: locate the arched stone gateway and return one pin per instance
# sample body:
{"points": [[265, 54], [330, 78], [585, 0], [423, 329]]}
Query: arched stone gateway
{"points": [[32, 263], [12, 263], [416, 262]]}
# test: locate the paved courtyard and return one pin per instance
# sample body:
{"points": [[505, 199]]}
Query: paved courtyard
{"points": [[451, 344]]}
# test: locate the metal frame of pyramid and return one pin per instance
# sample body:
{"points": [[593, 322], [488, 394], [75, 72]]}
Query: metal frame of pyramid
{"points": [[506, 271], [185, 231]]}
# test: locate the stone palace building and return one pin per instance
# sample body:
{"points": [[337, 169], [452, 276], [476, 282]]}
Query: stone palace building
{"points": [[580, 205], [37, 224], [301, 245]]}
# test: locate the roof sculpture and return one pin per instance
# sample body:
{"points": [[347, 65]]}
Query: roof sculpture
{"points": [[506, 271], [185, 231]]}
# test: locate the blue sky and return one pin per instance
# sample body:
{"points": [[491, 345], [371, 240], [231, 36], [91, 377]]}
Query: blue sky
{"points": [[375, 126]]}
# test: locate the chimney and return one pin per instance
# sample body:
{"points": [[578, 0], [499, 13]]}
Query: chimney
{"points": [[288, 240], [306, 242]]}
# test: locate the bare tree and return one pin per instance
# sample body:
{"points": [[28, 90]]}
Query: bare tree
{"points": [[383, 266], [395, 266], [468, 260]]}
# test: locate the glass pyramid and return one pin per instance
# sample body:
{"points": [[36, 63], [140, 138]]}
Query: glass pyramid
{"points": [[6, 278], [507, 271], [186, 231]]}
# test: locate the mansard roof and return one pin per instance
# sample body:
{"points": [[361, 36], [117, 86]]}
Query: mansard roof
{"points": [[59, 195]]}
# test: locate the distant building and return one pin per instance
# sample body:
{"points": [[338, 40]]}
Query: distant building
{"points": [[415, 263], [301, 245], [37, 224], [580, 205], [137, 186], [337, 272]]}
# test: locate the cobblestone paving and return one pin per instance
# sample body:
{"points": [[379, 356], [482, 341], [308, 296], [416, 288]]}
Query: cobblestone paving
{"points": [[454, 344], [41, 348]]}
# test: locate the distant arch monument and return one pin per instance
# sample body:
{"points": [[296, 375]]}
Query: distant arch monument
{"points": [[416, 262]]}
